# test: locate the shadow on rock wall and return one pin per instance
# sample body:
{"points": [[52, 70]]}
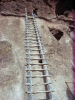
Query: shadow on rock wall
{"points": [[69, 94], [63, 5]]}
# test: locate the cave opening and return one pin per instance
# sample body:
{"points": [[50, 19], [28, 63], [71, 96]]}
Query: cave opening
{"points": [[56, 33], [71, 28], [35, 11], [63, 5]]}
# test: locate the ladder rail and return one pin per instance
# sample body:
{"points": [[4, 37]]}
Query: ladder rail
{"points": [[29, 80], [43, 61]]}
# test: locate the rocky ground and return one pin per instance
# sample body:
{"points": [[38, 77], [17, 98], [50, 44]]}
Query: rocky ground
{"points": [[56, 33]]}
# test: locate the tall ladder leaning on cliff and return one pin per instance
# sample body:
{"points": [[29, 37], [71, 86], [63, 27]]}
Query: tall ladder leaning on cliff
{"points": [[29, 70]]}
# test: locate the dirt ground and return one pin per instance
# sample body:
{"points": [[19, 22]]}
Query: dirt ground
{"points": [[57, 52]]}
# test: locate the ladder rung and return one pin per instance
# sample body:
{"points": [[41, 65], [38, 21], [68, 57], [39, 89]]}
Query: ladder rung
{"points": [[35, 54], [34, 42], [37, 84], [32, 25], [34, 39], [35, 58], [35, 35], [30, 33], [33, 22], [29, 23], [33, 46], [38, 64], [30, 17], [39, 92], [33, 49], [37, 69], [31, 39], [36, 76], [45, 99], [28, 30], [31, 28]]}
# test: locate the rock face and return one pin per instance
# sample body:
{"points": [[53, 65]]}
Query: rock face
{"points": [[11, 69], [10, 76], [6, 61], [48, 8], [45, 7], [59, 56]]}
